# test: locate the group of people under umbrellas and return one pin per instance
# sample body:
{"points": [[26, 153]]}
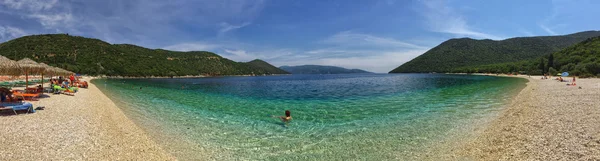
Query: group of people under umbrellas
{"points": [[26, 67]]}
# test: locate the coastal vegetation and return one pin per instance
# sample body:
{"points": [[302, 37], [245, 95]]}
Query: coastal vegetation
{"points": [[582, 59], [96, 57], [523, 55], [319, 69]]}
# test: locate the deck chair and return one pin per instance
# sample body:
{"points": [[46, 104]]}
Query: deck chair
{"points": [[2, 108]]}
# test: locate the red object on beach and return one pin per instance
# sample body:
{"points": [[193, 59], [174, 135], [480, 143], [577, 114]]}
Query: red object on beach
{"points": [[31, 96]]}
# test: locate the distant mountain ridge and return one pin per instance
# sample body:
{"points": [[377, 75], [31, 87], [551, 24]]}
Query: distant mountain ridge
{"points": [[96, 57], [320, 69], [455, 54]]}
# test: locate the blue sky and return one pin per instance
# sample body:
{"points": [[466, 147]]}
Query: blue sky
{"points": [[375, 35]]}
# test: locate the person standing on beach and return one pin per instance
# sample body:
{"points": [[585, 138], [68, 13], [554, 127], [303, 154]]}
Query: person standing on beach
{"points": [[72, 80]]}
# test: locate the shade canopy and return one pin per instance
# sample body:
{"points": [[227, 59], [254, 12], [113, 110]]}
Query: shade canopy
{"points": [[30, 66], [48, 69], [9, 67], [60, 71]]}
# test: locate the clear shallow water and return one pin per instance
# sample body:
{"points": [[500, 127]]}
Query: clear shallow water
{"points": [[369, 116]]}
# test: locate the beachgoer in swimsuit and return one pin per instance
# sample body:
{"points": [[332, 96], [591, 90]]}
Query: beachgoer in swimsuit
{"points": [[287, 118]]}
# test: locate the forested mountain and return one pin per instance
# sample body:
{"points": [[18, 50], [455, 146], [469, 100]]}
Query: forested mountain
{"points": [[582, 59], [455, 55], [319, 69], [96, 57], [264, 67]]}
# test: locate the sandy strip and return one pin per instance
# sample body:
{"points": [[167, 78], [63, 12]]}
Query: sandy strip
{"points": [[546, 121], [87, 126]]}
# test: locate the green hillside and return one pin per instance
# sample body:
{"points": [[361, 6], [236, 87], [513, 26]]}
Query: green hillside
{"points": [[456, 54], [265, 67], [96, 57], [319, 69], [582, 59]]}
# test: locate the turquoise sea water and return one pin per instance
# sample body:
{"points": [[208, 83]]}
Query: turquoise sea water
{"points": [[335, 117]]}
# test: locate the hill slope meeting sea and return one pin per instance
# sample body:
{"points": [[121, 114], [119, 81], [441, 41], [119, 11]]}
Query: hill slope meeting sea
{"points": [[456, 55], [96, 57], [320, 69]]}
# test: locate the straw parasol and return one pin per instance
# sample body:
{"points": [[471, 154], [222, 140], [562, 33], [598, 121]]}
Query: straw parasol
{"points": [[62, 71], [29, 66], [9, 67], [48, 70]]}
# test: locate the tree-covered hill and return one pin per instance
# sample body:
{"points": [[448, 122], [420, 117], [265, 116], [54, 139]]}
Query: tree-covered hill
{"points": [[582, 59], [457, 54], [265, 67], [96, 57], [319, 69]]}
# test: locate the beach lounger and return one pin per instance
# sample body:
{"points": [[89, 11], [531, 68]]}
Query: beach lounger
{"points": [[17, 107], [63, 90], [8, 108], [31, 96]]}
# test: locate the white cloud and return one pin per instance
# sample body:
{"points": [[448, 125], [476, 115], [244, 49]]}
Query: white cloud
{"points": [[150, 23], [548, 30], [526, 32], [9, 32], [239, 55], [248, 53], [352, 38], [51, 21], [442, 18], [31, 5], [226, 27], [345, 49], [196, 46], [374, 61], [357, 50]]}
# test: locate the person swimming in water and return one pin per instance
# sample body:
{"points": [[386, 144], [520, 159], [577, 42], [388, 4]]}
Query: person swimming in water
{"points": [[287, 118]]}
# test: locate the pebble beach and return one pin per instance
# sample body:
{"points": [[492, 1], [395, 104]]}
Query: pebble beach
{"points": [[547, 120], [87, 126]]}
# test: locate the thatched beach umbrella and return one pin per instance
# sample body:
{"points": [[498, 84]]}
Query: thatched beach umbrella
{"points": [[9, 67], [47, 70], [29, 66], [62, 71]]}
